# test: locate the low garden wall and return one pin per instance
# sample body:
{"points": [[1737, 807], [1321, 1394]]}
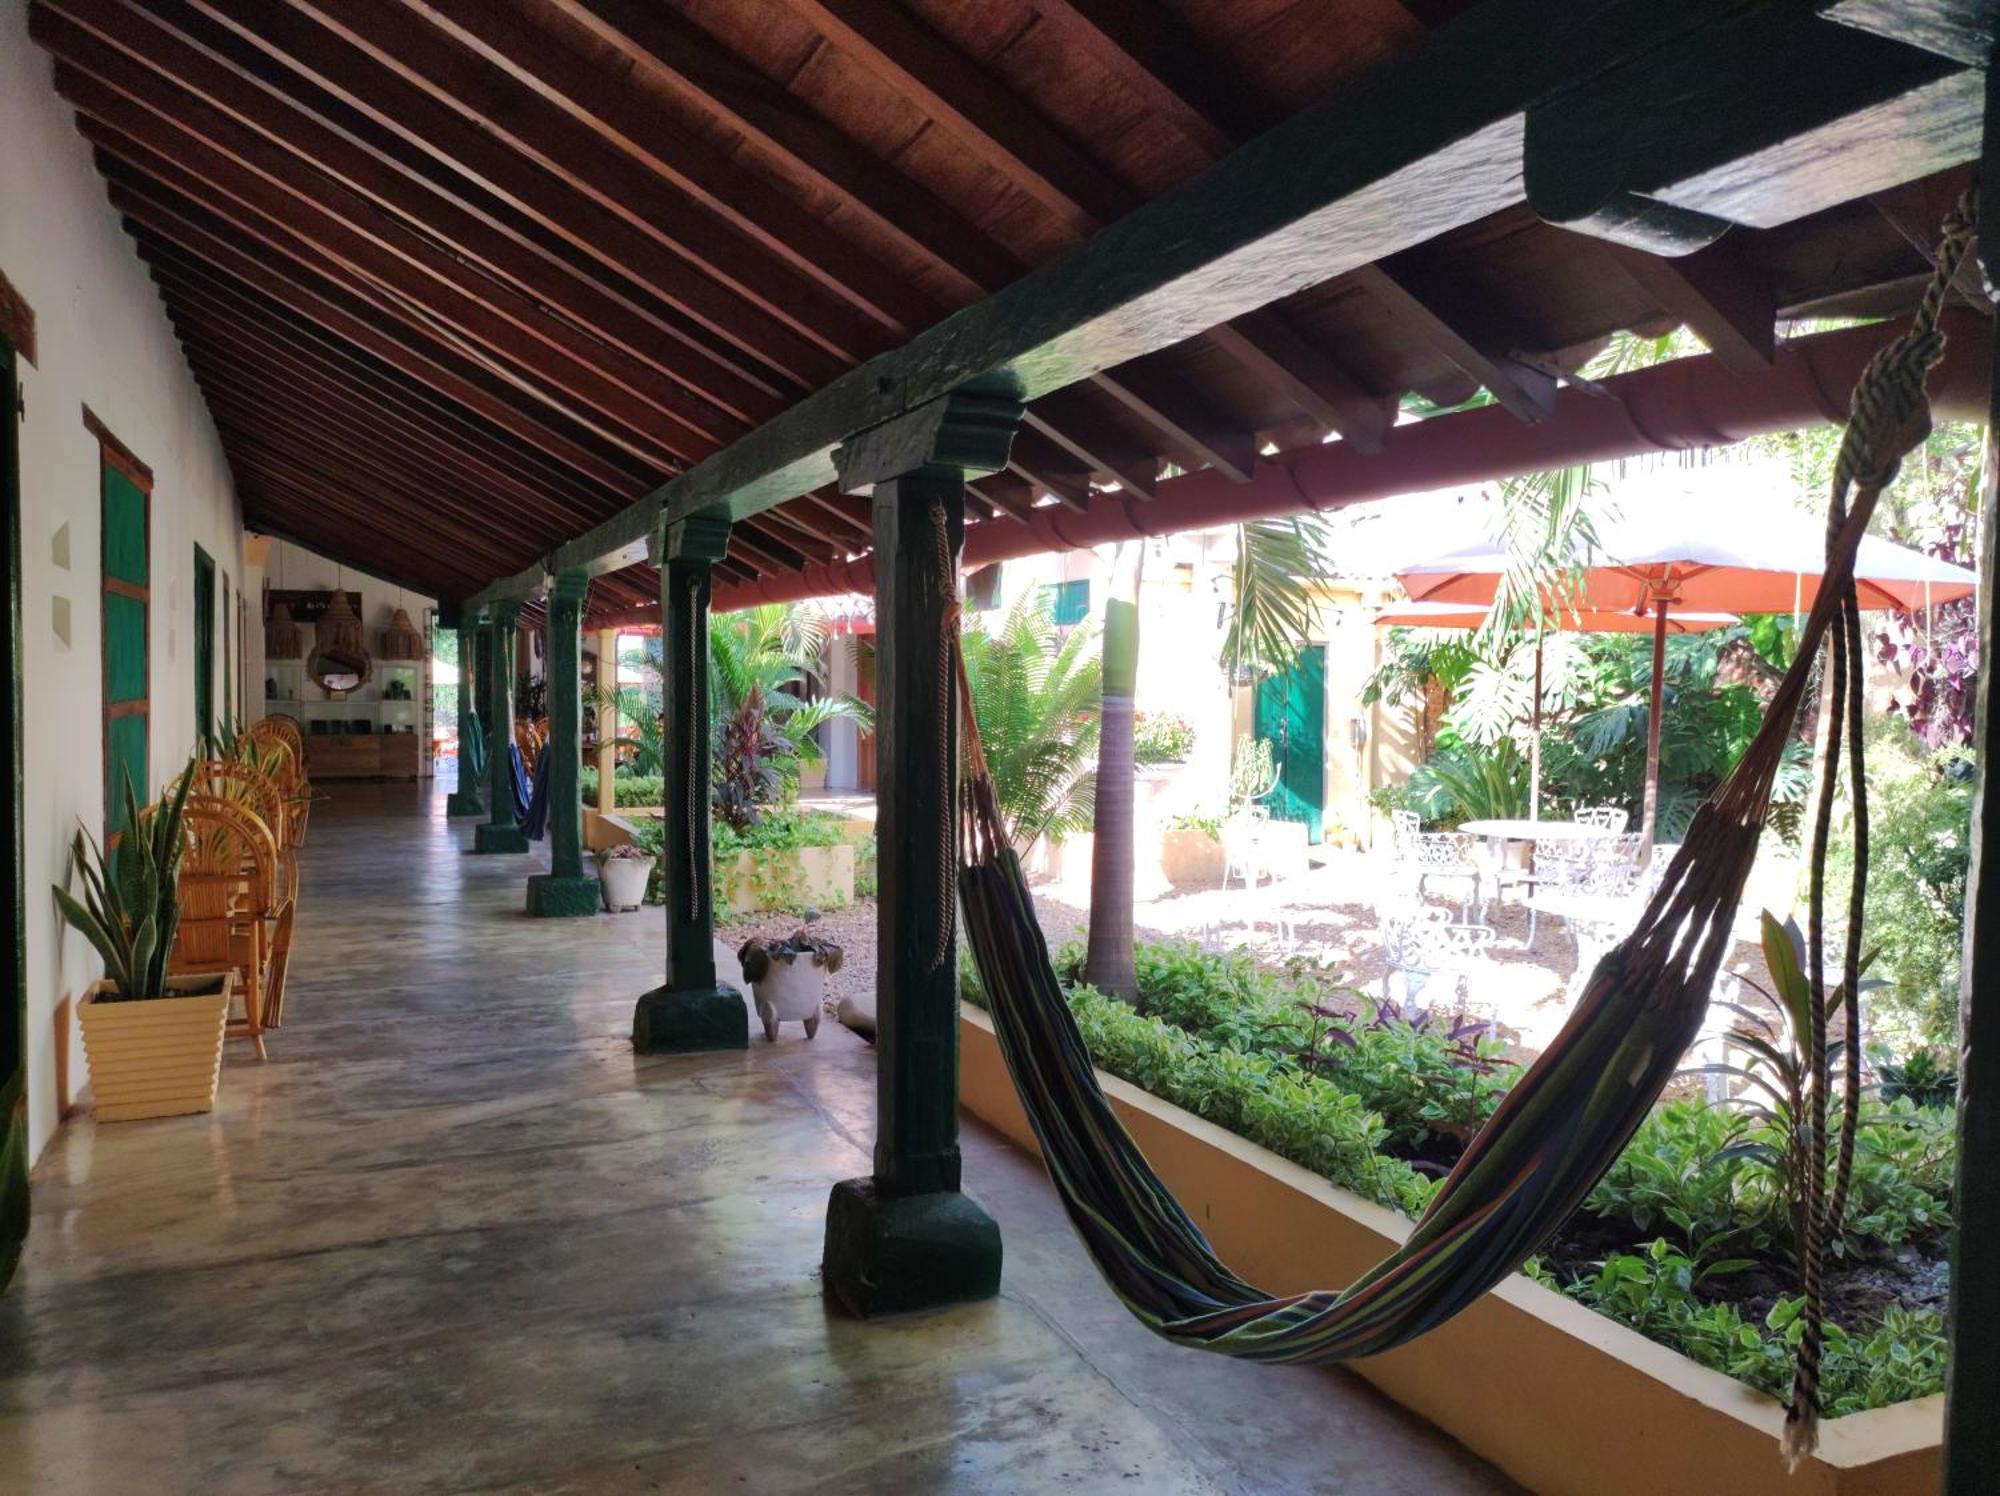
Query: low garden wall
{"points": [[787, 878], [1558, 1396]]}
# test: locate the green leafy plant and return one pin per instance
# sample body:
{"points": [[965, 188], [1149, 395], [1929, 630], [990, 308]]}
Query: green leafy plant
{"points": [[1681, 1170], [130, 909], [1194, 820], [1161, 737], [1924, 1079], [1035, 693], [1658, 1292], [1463, 782], [1223, 1038], [628, 790], [758, 952]]}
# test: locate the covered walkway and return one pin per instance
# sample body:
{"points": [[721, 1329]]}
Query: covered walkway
{"points": [[456, 1235]]}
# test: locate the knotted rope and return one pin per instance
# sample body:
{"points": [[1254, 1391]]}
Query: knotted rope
{"points": [[694, 819], [947, 860], [1888, 419]]}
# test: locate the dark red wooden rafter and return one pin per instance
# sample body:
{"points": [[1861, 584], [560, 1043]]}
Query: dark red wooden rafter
{"points": [[522, 261]]}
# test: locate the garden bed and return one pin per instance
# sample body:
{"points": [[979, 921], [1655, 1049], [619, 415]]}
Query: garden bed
{"points": [[1686, 1240], [1554, 1393]]}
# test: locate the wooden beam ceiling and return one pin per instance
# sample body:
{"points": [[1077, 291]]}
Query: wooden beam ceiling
{"points": [[562, 268]]}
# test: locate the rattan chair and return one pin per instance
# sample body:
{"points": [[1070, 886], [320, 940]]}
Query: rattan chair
{"points": [[232, 917]]}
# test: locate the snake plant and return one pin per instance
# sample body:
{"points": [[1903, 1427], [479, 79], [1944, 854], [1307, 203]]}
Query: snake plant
{"points": [[131, 894]]}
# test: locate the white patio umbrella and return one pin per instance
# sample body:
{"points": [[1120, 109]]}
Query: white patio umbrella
{"points": [[1568, 620], [1703, 540]]}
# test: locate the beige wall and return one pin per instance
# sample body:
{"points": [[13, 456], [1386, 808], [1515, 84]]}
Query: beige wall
{"points": [[102, 339]]}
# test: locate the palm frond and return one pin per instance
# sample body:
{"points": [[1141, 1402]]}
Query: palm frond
{"points": [[1277, 563]]}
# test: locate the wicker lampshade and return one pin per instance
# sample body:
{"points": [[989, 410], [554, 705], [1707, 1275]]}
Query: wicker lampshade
{"points": [[401, 639], [339, 628], [281, 634]]}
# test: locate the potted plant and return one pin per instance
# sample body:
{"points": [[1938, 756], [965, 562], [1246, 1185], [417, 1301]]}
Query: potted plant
{"points": [[785, 987], [154, 1042], [624, 871]]}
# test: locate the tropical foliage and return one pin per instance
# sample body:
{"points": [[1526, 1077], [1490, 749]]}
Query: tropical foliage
{"points": [[131, 907], [1920, 857], [1687, 1239], [1596, 699], [1035, 693], [765, 707]]}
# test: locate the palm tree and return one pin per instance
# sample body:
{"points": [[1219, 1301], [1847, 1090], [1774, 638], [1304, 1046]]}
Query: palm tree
{"points": [[1109, 959], [1033, 695]]}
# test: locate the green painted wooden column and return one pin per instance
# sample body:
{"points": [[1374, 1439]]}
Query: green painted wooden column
{"points": [[564, 891], [1971, 1427], [499, 833], [691, 1010], [905, 1238], [467, 799]]}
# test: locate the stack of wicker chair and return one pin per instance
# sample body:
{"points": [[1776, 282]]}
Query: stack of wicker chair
{"points": [[246, 816]]}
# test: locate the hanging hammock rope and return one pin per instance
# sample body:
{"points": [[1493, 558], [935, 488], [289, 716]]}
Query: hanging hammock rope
{"points": [[1574, 1109]]}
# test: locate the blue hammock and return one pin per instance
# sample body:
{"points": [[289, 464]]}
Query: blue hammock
{"points": [[531, 799]]}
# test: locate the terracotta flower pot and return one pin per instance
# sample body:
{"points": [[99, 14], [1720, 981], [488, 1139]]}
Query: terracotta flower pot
{"points": [[156, 1056]]}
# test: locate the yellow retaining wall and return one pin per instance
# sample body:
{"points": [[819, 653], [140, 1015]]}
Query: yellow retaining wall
{"points": [[1561, 1398]]}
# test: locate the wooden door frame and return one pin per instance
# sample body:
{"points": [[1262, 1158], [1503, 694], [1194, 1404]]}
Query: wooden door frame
{"points": [[226, 717], [204, 670], [114, 454]]}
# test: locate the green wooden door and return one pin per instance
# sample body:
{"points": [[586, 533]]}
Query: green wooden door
{"points": [[204, 646], [229, 709], [1291, 717], [127, 568], [14, 1006]]}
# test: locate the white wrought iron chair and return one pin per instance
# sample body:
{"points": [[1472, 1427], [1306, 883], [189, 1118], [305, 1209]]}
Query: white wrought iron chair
{"points": [[1612, 818], [1421, 946], [1423, 856]]}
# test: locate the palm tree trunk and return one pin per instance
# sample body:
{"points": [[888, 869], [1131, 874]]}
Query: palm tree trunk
{"points": [[1108, 958]]}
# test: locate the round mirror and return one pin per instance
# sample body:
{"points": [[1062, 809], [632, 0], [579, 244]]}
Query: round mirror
{"points": [[339, 670]]}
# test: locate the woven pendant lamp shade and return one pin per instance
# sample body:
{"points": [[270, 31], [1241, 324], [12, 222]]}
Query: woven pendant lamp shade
{"points": [[401, 639], [339, 628]]}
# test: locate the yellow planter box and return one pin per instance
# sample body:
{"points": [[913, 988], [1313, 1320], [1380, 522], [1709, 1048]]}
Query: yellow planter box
{"points": [[814, 877], [159, 1057], [1556, 1395]]}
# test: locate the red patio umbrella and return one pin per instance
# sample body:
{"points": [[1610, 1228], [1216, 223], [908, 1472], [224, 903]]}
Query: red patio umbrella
{"points": [[1706, 540]]}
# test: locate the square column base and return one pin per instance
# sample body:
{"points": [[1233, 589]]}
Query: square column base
{"points": [[670, 1022], [552, 896], [897, 1255], [487, 837], [459, 803]]}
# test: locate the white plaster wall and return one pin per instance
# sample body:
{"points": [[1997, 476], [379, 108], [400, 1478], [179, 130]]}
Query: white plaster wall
{"points": [[104, 340]]}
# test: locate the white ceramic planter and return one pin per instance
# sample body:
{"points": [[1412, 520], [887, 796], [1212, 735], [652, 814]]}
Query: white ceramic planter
{"points": [[792, 990], [624, 880]]}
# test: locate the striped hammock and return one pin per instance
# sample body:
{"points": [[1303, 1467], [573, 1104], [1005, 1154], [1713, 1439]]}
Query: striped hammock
{"points": [[1563, 1123]]}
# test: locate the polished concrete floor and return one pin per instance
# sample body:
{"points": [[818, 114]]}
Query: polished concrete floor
{"points": [[455, 1235]]}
